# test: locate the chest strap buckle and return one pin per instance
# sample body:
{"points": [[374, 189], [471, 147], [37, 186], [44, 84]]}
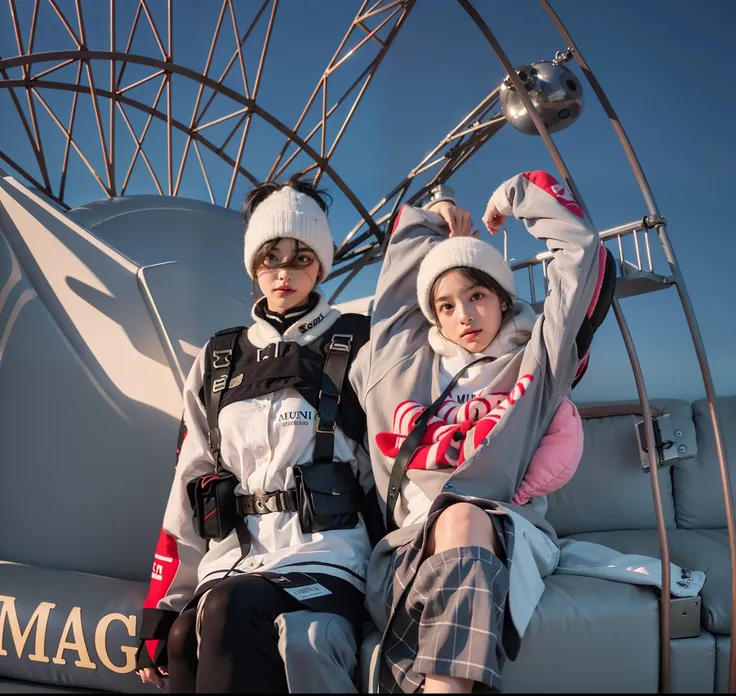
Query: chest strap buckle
{"points": [[264, 503]]}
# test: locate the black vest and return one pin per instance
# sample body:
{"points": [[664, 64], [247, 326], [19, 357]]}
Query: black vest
{"points": [[256, 372]]}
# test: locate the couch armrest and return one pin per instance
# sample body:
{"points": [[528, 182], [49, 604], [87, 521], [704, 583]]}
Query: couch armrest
{"points": [[69, 629]]}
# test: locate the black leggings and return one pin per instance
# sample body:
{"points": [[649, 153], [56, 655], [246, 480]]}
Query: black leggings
{"points": [[238, 650]]}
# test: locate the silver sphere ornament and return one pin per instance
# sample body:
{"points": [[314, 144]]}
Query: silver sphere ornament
{"points": [[555, 91]]}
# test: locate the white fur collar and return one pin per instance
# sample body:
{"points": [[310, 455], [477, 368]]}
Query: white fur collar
{"points": [[321, 318], [515, 333]]}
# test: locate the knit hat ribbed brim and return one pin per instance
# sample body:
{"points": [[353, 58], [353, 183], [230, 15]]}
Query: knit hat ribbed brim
{"points": [[457, 252], [288, 213]]}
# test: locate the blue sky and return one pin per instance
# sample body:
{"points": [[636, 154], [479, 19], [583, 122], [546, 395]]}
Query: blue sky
{"points": [[663, 64]]}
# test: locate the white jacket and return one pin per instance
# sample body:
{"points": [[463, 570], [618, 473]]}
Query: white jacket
{"points": [[262, 439]]}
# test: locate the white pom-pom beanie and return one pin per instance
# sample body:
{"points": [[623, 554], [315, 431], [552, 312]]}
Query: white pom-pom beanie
{"points": [[454, 253], [288, 213]]}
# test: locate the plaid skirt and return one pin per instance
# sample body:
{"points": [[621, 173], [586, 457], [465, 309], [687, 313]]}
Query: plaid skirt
{"points": [[462, 612]]}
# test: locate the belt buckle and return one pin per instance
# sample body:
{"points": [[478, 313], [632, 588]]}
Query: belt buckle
{"points": [[286, 500], [281, 501], [267, 504]]}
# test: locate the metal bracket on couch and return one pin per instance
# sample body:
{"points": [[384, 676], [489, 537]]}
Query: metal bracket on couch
{"points": [[684, 617], [674, 440]]}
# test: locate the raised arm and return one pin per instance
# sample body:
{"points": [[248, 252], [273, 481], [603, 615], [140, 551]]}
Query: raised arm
{"points": [[397, 322], [552, 215], [179, 549]]}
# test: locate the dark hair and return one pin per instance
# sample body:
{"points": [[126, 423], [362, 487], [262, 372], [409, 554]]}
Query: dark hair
{"points": [[478, 278], [259, 194], [264, 190]]}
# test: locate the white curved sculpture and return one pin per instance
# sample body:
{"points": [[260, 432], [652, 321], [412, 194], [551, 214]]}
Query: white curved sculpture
{"points": [[94, 347]]}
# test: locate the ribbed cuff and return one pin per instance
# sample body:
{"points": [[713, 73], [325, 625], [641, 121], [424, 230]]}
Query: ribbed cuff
{"points": [[501, 201]]}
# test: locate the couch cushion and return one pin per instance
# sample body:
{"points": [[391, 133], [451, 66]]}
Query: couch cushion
{"points": [[693, 664], [610, 490], [705, 550], [708, 551], [723, 654], [369, 669], [642, 541], [697, 482], [579, 623], [69, 629], [12, 686]]}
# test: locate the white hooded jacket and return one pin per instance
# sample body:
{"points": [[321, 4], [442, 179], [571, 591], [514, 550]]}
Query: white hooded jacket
{"points": [[262, 439]]}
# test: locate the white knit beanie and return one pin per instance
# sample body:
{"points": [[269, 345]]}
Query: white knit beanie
{"points": [[288, 213], [453, 253]]}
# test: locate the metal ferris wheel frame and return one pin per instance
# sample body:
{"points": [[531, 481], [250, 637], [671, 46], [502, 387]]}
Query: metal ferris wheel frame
{"points": [[366, 42], [363, 48]]}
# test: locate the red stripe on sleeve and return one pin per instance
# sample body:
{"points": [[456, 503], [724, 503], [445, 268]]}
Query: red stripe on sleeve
{"points": [[398, 216], [548, 183], [165, 564]]}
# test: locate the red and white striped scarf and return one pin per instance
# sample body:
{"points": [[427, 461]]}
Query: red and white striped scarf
{"points": [[454, 433]]}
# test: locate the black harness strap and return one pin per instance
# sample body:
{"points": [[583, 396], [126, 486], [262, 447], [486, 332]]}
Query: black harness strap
{"points": [[221, 359], [333, 376], [220, 363], [412, 441]]}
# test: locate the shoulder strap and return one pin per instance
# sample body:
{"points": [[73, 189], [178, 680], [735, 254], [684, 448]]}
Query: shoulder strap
{"points": [[333, 377], [412, 441], [359, 325], [218, 367], [349, 333]]}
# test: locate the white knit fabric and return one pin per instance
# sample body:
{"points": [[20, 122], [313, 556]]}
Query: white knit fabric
{"points": [[453, 253], [288, 213]]}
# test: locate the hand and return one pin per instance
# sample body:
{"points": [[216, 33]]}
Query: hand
{"points": [[151, 675], [458, 219], [492, 219]]}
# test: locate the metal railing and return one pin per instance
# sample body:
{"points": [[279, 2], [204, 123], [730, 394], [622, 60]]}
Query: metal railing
{"points": [[642, 269]]}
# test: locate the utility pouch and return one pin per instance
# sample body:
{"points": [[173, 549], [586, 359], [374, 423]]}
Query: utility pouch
{"points": [[212, 498], [328, 496]]}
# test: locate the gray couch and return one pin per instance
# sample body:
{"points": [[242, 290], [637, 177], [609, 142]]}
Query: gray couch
{"points": [[597, 635], [587, 634], [613, 628]]}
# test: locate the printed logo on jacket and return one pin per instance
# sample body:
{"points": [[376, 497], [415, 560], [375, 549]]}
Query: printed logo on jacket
{"points": [[303, 328], [464, 397], [292, 418]]}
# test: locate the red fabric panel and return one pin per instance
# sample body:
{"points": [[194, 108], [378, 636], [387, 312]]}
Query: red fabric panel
{"points": [[549, 184]]}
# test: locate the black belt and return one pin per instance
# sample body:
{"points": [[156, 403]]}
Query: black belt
{"points": [[263, 503]]}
